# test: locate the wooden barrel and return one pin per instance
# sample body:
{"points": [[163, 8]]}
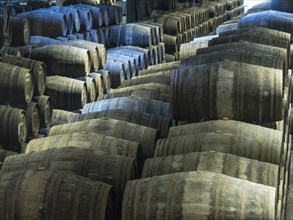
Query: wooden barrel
{"points": [[195, 195], [115, 170], [98, 142], [37, 68], [46, 23], [66, 93], [267, 19], [129, 62], [140, 118], [100, 14], [160, 77], [123, 62], [43, 190], [85, 16], [216, 162], [160, 67], [240, 55], [60, 117], [16, 85], [74, 12], [147, 137], [117, 71], [143, 53], [189, 49], [33, 118], [90, 87], [40, 41], [243, 101], [20, 32], [46, 110], [151, 86], [130, 103], [13, 127], [130, 34], [94, 36], [4, 154], [5, 40], [221, 142], [103, 81], [63, 60], [140, 93]]}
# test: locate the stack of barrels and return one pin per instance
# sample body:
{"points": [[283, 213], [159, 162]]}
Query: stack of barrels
{"points": [[193, 20]]}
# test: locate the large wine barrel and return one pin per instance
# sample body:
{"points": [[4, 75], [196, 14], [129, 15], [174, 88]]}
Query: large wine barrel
{"points": [[66, 93], [16, 85], [221, 142], [99, 142], [93, 51], [63, 60], [147, 137], [37, 68], [140, 118], [160, 77], [216, 162], [256, 132], [20, 32], [130, 103], [91, 88], [46, 23], [42, 192], [13, 127], [46, 109], [197, 195], [227, 90], [97, 165], [60, 117], [140, 93]]}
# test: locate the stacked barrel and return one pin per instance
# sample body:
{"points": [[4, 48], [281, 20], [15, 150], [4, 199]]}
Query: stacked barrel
{"points": [[193, 20]]}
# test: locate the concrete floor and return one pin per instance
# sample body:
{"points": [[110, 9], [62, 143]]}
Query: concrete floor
{"points": [[289, 209]]}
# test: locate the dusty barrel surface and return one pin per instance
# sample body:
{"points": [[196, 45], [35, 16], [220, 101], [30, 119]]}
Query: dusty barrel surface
{"points": [[145, 119], [42, 191], [216, 162], [130, 103], [99, 142], [46, 109], [221, 142], [16, 85], [147, 137], [191, 195], [66, 93], [37, 69], [46, 23], [233, 92], [61, 117], [13, 126], [59, 60], [97, 165]]}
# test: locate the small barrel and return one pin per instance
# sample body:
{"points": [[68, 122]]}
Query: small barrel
{"points": [[13, 127], [216, 162], [46, 23], [129, 62], [85, 16], [60, 117], [93, 51], [40, 41], [99, 16], [44, 190], [4, 154], [16, 85], [140, 93], [160, 77], [117, 71], [97, 165], [140, 118], [37, 68], [63, 60], [20, 32], [221, 142], [99, 142], [46, 110], [195, 195], [130, 103], [103, 81], [90, 87], [147, 137], [66, 93], [230, 88], [114, 13]]}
